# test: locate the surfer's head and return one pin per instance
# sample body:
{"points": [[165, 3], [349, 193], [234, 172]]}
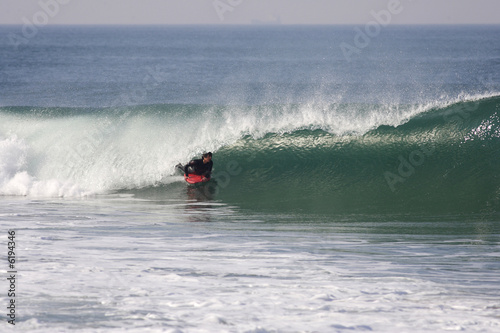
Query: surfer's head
{"points": [[207, 157]]}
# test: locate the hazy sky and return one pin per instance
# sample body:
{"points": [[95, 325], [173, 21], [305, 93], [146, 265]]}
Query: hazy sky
{"points": [[44, 12]]}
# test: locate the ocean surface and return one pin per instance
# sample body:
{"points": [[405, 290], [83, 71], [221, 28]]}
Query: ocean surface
{"points": [[356, 182]]}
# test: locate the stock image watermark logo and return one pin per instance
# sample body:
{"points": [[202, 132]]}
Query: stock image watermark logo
{"points": [[224, 6], [372, 29], [222, 179], [31, 27], [12, 277], [407, 166], [462, 114]]}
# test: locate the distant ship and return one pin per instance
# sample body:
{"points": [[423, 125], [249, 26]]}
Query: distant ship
{"points": [[274, 20]]}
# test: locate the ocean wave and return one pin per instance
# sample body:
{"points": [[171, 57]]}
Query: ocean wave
{"points": [[443, 155], [443, 159]]}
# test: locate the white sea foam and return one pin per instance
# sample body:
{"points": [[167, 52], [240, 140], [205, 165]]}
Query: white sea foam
{"points": [[112, 266], [15, 179]]}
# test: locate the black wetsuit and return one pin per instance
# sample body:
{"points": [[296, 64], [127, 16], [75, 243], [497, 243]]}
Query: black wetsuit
{"points": [[199, 168]]}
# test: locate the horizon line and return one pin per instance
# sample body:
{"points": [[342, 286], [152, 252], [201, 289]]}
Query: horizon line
{"points": [[247, 24]]}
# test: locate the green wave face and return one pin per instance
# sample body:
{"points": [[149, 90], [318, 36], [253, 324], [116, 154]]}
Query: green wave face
{"points": [[446, 160]]}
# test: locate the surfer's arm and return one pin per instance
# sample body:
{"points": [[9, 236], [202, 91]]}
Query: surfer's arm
{"points": [[186, 167]]}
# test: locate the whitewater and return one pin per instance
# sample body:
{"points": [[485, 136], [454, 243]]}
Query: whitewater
{"points": [[360, 196]]}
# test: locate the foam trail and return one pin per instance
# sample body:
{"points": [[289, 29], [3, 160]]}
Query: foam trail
{"points": [[15, 179]]}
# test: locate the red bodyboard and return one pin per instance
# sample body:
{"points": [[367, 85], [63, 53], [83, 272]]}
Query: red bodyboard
{"points": [[195, 179]]}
